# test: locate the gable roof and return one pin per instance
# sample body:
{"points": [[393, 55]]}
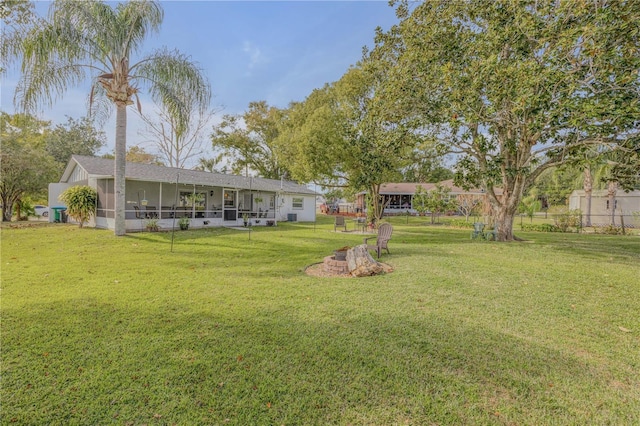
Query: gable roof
{"points": [[104, 168]]}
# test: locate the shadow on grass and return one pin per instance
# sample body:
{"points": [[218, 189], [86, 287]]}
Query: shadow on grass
{"points": [[240, 362]]}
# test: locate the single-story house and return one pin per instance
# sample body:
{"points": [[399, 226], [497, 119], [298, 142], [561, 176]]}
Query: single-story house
{"points": [[398, 197], [168, 193], [625, 203]]}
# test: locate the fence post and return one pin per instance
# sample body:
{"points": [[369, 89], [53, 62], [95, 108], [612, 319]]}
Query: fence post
{"points": [[580, 224], [622, 224]]}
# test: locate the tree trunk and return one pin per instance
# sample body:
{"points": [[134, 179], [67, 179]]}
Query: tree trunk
{"points": [[504, 209], [503, 222], [362, 264], [7, 211], [375, 204], [588, 188], [7, 207], [612, 188], [19, 211], [120, 166]]}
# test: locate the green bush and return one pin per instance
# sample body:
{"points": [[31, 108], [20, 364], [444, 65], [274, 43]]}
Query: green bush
{"points": [[543, 227], [459, 223], [609, 230], [81, 202], [569, 220]]}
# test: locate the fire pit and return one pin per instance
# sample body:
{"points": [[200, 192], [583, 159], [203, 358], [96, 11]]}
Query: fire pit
{"points": [[362, 265], [333, 266]]}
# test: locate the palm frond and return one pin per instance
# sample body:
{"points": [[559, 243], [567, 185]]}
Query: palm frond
{"points": [[99, 106], [139, 18], [175, 82]]}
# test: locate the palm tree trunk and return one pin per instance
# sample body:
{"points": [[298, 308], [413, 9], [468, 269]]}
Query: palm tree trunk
{"points": [[611, 193], [120, 165], [588, 188]]}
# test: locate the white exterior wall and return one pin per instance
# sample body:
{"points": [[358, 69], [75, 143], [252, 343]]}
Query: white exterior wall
{"points": [[285, 206], [55, 189], [626, 202]]}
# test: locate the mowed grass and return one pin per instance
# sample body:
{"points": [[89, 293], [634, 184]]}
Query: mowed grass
{"points": [[228, 329]]}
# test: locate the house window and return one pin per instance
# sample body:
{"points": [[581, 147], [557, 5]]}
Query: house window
{"points": [[298, 203], [272, 201], [615, 204]]}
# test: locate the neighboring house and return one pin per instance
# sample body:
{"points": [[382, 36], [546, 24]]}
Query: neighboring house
{"points": [[167, 193], [398, 197], [625, 203]]}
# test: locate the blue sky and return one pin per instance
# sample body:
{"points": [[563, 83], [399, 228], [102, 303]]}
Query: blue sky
{"points": [[250, 51]]}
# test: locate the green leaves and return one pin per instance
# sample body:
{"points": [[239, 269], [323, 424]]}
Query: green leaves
{"points": [[80, 202], [513, 87], [25, 167], [254, 140]]}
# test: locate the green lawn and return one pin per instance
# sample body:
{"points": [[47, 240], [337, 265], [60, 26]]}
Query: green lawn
{"points": [[228, 330]]}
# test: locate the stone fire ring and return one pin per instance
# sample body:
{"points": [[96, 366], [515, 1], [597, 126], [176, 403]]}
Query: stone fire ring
{"points": [[362, 264]]}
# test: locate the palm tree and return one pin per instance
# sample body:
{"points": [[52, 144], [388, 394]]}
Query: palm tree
{"points": [[90, 39]]}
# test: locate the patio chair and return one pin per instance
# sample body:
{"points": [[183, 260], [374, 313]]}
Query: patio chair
{"points": [[137, 209], [382, 239], [340, 223], [478, 230], [491, 234], [151, 212]]}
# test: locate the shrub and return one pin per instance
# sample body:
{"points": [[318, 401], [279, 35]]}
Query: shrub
{"points": [[609, 230], [81, 202], [460, 223], [543, 227], [571, 219]]}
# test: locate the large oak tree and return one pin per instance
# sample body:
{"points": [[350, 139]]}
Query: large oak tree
{"points": [[513, 87]]}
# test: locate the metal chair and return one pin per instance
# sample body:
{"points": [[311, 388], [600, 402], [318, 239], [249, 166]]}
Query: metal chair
{"points": [[491, 234], [382, 239], [478, 230], [151, 212], [340, 223]]}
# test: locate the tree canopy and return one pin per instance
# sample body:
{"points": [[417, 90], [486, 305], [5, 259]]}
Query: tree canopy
{"points": [[25, 167], [252, 141], [513, 87], [340, 138], [79, 137]]}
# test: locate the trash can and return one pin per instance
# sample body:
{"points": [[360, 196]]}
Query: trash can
{"points": [[292, 217], [58, 214], [63, 216]]}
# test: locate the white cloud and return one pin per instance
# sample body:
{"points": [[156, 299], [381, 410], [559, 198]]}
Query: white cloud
{"points": [[255, 55]]}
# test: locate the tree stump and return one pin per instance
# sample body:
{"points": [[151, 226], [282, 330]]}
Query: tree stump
{"points": [[361, 263]]}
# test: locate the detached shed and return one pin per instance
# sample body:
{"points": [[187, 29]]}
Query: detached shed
{"points": [[624, 204]]}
